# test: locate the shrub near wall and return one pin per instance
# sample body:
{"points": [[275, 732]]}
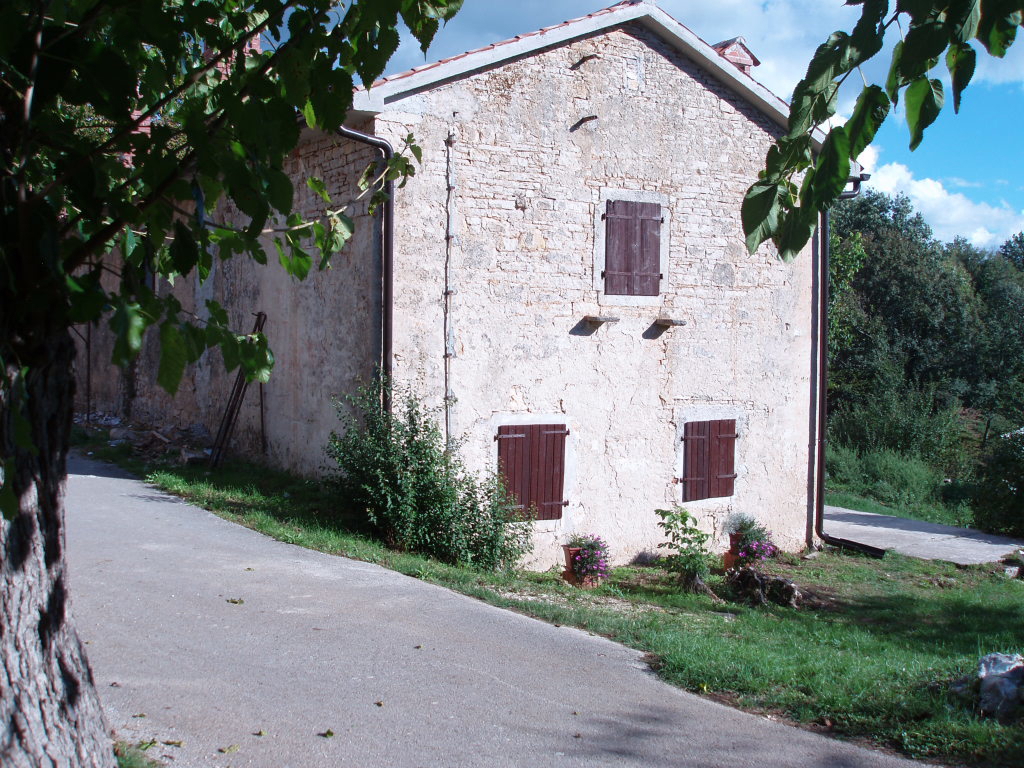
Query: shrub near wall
{"points": [[394, 471], [999, 497], [905, 484]]}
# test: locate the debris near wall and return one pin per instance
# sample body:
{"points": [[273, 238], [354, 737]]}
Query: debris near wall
{"points": [[996, 688], [762, 588], [189, 445]]}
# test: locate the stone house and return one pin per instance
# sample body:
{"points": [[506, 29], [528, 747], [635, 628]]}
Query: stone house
{"points": [[567, 280]]}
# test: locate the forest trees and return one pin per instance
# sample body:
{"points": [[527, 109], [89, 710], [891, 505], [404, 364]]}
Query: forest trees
{"points": [[125, 127], [926, 348]]}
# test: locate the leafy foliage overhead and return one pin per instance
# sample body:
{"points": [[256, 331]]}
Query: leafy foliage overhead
{"points": [[127, 129], [932, 31]]}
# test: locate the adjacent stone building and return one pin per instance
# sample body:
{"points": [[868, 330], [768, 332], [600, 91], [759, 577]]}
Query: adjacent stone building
{"points": [[569, 284]]}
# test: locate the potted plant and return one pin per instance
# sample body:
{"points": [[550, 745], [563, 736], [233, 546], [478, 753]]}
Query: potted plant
{"points": [[586, 560], [749, 542]]}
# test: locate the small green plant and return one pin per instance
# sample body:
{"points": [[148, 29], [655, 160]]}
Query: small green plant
{"points": [[690, 559], [394, 470], [592, 559]]}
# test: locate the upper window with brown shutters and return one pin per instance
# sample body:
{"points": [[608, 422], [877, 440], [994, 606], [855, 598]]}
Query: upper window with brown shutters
{"points": [[632, 261], [709, 459], [531, 460]]}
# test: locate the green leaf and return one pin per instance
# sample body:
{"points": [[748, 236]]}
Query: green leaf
{"points": [[87, 296], [832, 169], [961, 61], [918, 9], [924, 100], [173, 357], [279, 190], [997, 28], [795, 229], [184, 250], [128, 325], [319, 188], [787, 155], [963, 19], [868, 115], [816, 90], [894, 81], [923, 42], [8, 501], [760, 212]]}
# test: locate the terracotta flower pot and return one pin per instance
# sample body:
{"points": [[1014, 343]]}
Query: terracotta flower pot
{"points": [[587, 582], [729, 558], [734, 542]]}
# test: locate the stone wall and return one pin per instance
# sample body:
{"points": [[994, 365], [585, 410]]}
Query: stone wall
{"points": [[517, 171], [325, 332]]}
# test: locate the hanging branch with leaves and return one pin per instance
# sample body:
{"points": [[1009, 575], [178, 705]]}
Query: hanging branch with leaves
{"points": [[782, 206]]}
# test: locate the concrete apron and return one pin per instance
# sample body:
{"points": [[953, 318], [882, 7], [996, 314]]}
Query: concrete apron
{"points": [[928, 541], [402, 672]]}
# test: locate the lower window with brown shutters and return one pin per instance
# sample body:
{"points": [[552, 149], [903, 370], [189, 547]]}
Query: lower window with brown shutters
{"points": [[531, 460], [709, 459]]}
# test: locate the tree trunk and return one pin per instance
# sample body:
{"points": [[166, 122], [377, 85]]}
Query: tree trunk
{"points": [[50, 713]]}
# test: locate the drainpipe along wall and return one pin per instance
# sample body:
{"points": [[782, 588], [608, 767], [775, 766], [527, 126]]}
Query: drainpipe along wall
{"points": [[822, 384], [387, 255]]}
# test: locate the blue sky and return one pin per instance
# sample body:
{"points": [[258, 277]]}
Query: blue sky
{"points": [[966, 178]]}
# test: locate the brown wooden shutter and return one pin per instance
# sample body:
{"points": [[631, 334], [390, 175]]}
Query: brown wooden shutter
{"points": [[619, 231], [647, 262], [709, 459], [513, 463], [531, 459], [632, 258], [722, 465], [551, 457], [695, 460]]}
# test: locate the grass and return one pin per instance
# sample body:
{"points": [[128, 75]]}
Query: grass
{"points": [[868, 657]]}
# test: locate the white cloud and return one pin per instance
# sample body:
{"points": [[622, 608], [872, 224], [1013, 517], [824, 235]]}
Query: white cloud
{"points": [[956, 181], [950, 213], [868, 159]]}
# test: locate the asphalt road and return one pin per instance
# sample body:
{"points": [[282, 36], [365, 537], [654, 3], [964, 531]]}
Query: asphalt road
{"points": [[207, 634]]}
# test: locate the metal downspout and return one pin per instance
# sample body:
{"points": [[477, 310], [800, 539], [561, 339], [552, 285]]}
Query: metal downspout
{"points": [[823, 283], [387, 256]]}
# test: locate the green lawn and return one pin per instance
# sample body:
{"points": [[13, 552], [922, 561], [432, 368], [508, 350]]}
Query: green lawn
{"points": [[869, 656]]}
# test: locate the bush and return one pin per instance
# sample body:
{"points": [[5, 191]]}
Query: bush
{"points": [[908, 421], [393, 470], [900, 480], [999, 500], [890, 477], [690, 558]]}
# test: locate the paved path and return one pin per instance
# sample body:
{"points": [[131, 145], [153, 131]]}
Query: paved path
{"points": [[918, 539], [402, 672]]}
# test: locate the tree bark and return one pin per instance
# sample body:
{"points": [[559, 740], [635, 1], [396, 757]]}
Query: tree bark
{"points": [[50, 713]]}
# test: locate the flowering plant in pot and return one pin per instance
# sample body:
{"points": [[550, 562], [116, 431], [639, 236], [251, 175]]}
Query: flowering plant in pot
{"points": [[586, 560], [750, 542]]}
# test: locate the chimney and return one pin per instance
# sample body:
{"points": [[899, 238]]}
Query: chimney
{"points": [[736, 51]]}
